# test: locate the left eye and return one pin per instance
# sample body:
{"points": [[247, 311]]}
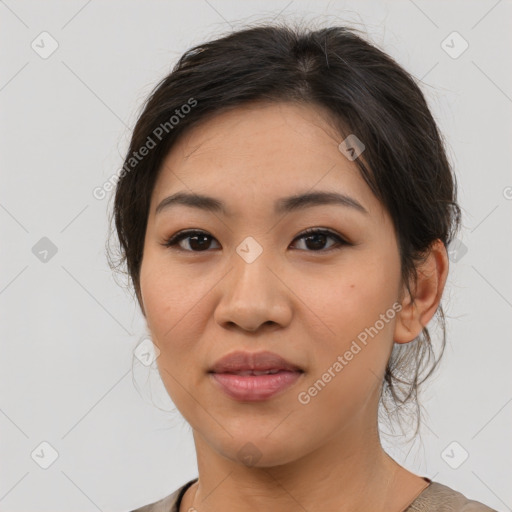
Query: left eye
{"points": [[318, 238]]}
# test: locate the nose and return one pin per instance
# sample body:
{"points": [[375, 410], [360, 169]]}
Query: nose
{"points": [[253, 295]]}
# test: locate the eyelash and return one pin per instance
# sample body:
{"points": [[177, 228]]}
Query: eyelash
{"points": [[178, 237]]}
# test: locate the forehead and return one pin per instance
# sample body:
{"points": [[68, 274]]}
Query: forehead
{"points": [[260, 153]]}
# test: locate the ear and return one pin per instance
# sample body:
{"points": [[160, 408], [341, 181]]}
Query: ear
{"points": [[416, 314], [140, 300]]}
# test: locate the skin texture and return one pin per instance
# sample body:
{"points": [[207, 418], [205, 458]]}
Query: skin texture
{"points": [[304, 303]]}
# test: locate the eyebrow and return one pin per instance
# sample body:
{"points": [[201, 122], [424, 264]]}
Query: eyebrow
{"points": [[284, 205]]}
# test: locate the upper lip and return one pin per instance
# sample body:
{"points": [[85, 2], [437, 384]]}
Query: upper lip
{"points": [[247, 361]]}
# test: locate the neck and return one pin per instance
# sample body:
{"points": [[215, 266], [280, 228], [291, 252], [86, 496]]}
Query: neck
{"points": [[350, 472]]}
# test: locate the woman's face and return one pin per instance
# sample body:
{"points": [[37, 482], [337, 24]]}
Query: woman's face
{"points": [[254, 283]]}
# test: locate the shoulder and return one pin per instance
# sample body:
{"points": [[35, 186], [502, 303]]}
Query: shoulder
{"points": [[169, 503], [441, 498], [435, 498]]}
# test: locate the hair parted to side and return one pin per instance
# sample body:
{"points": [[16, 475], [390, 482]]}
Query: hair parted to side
{"points": [[362, 91]]}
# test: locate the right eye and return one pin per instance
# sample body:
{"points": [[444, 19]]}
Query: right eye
{"points": [[197, 240]]}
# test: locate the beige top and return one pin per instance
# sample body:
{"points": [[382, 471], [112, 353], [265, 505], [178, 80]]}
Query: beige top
{"points": [[434, 498]]}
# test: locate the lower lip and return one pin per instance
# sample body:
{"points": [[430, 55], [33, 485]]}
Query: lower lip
{"points": [[255, 388]]}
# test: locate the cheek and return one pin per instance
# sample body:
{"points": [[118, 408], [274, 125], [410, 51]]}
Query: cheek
{"points": [[175, 301], [164, 294], [173, 308], [350, 297], [351, 315]]}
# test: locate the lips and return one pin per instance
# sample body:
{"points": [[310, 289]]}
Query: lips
{"points": [[254, 377], [249, 363]]}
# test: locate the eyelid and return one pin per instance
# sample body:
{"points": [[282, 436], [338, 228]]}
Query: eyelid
{"points": [[332, 234], [174, 240]]}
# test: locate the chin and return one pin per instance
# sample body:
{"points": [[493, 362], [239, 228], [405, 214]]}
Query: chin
{"points": [[258, 451]]}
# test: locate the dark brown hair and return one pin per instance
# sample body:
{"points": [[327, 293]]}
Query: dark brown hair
{"points": [[364, 91]]}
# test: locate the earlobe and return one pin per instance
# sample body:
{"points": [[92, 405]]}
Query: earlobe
{"points": [[140, 300], [416, 314], [405, 326]]}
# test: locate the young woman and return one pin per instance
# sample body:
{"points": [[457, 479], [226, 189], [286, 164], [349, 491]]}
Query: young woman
{"points": [[284, 212]]}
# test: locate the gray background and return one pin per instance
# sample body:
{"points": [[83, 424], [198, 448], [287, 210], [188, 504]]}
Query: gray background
{"points": [[68, 330]]}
